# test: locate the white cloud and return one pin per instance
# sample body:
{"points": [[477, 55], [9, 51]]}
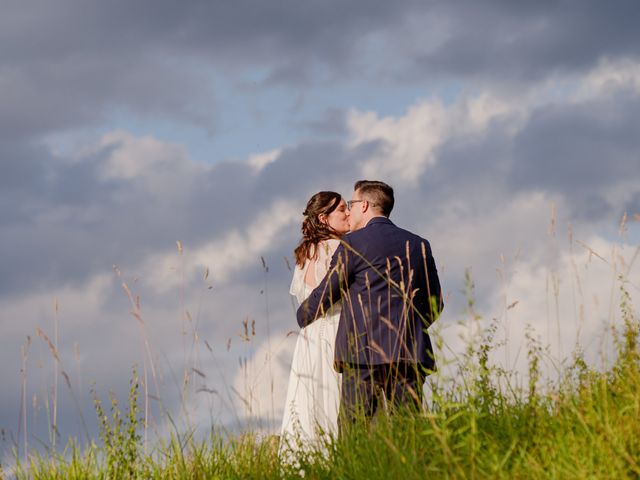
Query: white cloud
{"points": [[609, 75], [261, 383], [569, 304], [76, 307], [260, 160], [465, 237], [133, 156], [225, 255], [411, 141]]}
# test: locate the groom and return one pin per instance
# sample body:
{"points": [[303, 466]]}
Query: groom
{"points": [[387, 280]]}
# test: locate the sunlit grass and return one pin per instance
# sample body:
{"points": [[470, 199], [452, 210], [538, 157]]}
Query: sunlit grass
{"points": [[585, 426]]}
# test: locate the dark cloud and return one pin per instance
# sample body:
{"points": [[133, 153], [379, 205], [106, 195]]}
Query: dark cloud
{"points": [[73, 64], [21, 169], [333, 122], [308, 168], [76, 63], [249, 28], [73, 222], [580, 150], [476, 166], [527, 41], [56, 95], [246, 30]]}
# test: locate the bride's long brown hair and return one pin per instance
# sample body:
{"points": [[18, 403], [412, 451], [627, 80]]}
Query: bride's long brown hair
{"points": [[314, 230]]}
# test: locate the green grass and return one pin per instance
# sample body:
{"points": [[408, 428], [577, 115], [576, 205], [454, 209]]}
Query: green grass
{"points": [[483, 425], [585, 426]]}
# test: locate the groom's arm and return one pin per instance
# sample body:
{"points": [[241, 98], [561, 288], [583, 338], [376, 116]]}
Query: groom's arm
{"points": [[434, 291], [328, 291]]}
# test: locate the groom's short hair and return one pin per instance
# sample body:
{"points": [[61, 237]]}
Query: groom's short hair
{"points": [[379, 194]]}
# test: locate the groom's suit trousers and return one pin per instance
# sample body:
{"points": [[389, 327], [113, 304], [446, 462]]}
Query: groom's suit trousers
{"points": [[367, 389]]}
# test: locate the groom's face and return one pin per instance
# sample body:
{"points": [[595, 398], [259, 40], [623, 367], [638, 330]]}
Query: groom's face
{"points": [[356, 213]]}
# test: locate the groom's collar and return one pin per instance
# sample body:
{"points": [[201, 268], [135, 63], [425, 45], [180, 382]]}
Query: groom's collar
{"points": [[378, 220]]}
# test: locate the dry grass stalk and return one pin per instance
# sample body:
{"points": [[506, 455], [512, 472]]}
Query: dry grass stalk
{"points": [[592, 252], [622, 230], [24, 353], [137, 314]]}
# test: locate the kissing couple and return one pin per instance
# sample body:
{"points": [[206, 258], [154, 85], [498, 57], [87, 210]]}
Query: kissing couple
{"points": [[368, 290]]}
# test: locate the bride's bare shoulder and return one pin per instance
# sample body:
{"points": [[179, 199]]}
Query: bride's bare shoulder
{"points": [[326, 248]]}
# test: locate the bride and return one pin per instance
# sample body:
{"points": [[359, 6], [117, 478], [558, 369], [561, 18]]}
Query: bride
{"points": [[313, 395]]}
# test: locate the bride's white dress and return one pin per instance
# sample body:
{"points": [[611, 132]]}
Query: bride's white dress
{"points": [[313, 395]]}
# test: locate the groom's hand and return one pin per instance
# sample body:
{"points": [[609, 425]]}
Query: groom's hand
{"points": [[306, 314]]}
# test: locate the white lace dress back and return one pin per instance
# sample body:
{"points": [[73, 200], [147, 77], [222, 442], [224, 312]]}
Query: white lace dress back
{"points": [[313, 394]]}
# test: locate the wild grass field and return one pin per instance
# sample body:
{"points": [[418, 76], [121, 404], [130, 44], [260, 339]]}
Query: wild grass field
{"points": [[486, 422], [585, 426]]}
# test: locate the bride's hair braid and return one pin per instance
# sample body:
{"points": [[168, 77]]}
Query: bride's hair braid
{"points": [[313, 229]]}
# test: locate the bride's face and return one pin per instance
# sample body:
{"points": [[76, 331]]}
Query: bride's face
{"points": [[339, 218]]}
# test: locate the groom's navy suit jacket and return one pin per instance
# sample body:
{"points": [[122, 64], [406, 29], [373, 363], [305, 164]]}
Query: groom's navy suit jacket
{"points": [[388, 283]]}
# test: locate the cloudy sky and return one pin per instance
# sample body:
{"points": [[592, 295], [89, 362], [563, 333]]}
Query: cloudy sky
{"points": [[179, 143]]}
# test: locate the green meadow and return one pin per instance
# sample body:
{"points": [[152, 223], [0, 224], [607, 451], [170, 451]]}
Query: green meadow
{"points": [[583, 426]]}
